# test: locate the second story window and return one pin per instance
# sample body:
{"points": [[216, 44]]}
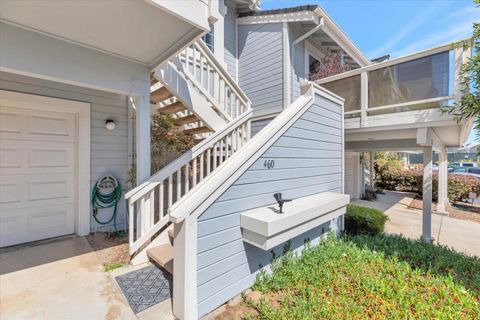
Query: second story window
{"points": [[209, 38]]}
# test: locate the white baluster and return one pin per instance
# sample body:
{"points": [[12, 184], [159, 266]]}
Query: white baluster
{"points": [[222, 151], [187, 177], [201, 166], [194, 172], [170, 191], [179, 184], [160, 200], [215, 156], [209, 160]]}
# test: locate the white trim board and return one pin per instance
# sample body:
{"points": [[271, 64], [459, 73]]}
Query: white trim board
{"points": [[82, 113]]}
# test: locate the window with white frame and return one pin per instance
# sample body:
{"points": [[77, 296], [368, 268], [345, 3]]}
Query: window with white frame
{"points": [[209, 38]]}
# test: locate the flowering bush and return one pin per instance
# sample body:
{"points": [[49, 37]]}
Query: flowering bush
{"points": [[409, 180]]}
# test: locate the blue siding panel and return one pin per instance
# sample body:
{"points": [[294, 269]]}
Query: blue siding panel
{"points": [[307, 161], [230, 41], [260, 66]]}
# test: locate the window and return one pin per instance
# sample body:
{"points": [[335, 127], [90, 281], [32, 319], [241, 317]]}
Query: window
{"points": [[313, 65], [467, 164], [209, 38]]}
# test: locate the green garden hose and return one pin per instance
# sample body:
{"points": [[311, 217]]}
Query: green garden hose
{"points": [[101, 199]]}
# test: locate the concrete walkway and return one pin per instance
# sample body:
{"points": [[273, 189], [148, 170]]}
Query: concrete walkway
{"points": [[62, 280], [462, 235]]}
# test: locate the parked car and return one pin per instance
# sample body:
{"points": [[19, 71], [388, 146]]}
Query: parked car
{"points": [[470, 171], [462, 164]]}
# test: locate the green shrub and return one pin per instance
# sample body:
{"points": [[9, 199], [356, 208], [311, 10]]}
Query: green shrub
{"points": [[361, 220]]}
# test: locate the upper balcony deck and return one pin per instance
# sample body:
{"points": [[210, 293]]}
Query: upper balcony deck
{"points": [[401, 91]]}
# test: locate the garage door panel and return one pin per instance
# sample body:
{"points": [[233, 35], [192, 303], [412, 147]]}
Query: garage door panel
{"points": [[10, 122], [36, 223], [10, 193], [24, 191], [34, 157], [26, 124], [11, 156]]}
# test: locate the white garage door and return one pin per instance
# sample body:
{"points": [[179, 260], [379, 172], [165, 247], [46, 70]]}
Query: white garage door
{"points": [[37, 174]]}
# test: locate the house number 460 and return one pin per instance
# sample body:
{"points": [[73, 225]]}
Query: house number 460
{"points": [[269, 164]]}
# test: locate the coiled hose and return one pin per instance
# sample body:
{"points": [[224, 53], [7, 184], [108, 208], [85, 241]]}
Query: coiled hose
{"points": [[102, 200]]}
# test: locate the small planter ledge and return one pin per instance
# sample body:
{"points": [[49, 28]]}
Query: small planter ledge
{"points": [[265, 228]]}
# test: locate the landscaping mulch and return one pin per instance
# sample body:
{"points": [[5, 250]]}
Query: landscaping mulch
{"points": [[111, 248], [468, 212]]}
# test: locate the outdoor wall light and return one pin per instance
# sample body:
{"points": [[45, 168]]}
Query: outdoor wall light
{"points": [[110, 125]]}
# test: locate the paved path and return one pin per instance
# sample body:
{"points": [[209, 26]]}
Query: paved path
{"points": [[63, 280], [462, 235]]}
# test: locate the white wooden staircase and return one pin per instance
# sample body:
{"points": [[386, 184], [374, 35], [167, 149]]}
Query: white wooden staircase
{"points": [[208, 104]]}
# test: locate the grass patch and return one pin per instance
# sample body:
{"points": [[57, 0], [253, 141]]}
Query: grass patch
{"points": [[375, 277], [108, 267]]}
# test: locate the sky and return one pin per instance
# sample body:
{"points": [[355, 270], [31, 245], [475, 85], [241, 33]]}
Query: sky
{"points": [[396, 27]]}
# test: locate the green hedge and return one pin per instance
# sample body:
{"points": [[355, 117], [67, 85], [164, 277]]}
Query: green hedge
{"points": [[405, 180], [361, 220]]}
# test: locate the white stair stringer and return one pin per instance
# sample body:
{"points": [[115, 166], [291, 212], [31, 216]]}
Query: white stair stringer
{"points": [[191, 98]]}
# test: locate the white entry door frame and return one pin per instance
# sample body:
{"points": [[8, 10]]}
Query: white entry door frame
{"points": [[81, 111]]}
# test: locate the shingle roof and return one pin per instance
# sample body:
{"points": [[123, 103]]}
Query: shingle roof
{"points": [[309, 7]]}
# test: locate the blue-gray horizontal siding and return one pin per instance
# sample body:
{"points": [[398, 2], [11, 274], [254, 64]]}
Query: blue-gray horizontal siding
{"points": [[297, 52], [108, 149], [307, 161], [230, 41], [260, 66], [259, 125]]}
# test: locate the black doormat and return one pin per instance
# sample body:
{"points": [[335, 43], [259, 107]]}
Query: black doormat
{"points": [[145, 287]]}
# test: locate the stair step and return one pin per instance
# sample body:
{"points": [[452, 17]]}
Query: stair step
{"points": [[172, 108], [162, 256], [203, 129], [160, 95], [187, 119]]}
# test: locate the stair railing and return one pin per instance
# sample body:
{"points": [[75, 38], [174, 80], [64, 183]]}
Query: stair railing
{"points": [[149, 203], [205, 71]]}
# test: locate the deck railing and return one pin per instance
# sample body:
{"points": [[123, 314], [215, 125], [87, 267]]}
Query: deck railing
{"points": [[424, 80], [149, 203], [213, 80]]}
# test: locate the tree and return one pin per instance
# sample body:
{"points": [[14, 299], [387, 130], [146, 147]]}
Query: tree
{"points": [[469, 105], [333, 63]]}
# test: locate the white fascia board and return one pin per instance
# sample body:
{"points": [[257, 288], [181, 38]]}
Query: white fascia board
{"points": [[33, 54], [194, 12], [301, 16], [337, 34], [427, 137]]}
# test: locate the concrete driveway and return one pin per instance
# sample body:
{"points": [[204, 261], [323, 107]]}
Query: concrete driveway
{"points": [[64, 280], [462, 235]]}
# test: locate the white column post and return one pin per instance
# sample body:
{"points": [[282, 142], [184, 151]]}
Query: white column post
{"points": [[185, 269], [363, 98], [142, 138], [372, 169], [427, 194], [442, 182]]}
